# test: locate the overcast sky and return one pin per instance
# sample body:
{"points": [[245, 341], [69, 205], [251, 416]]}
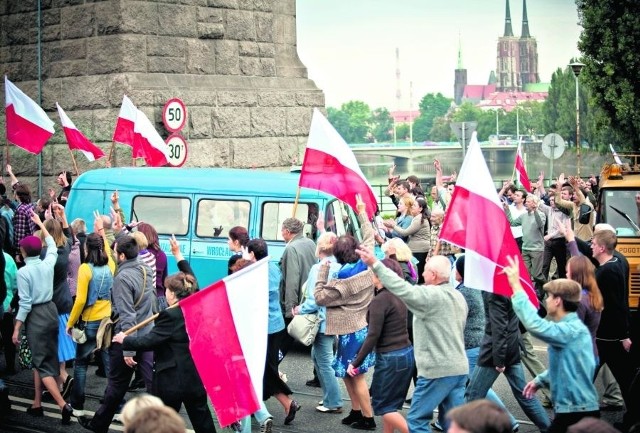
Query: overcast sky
{"points": [[348, 46]]}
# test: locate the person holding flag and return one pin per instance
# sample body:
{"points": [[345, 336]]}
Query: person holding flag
{"points": [[176, 380]]}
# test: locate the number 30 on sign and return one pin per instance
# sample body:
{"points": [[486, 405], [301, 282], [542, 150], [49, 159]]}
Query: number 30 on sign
{"points": [[174, 115], [176, 150]]}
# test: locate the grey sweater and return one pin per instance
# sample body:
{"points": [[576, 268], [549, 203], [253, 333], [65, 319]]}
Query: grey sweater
{"points": [[532, 229], [128, 291], [439, 316]]}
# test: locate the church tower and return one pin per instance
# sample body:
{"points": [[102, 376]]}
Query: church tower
{"points": [[528, 52], [461, 78], [508, 58]]}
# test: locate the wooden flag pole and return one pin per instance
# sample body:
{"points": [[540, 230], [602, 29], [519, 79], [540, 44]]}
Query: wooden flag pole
{"points": [[75, 165], [113, 146], [147, 321], [295, 204]]}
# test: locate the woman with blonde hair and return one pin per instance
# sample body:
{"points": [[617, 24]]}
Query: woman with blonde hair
{"points": [[396, 249], [322, 348], [581, 270], [404, 218], [136, 404]]}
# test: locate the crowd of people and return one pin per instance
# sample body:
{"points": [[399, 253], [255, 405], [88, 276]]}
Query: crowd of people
{"points": [[394, 303]]}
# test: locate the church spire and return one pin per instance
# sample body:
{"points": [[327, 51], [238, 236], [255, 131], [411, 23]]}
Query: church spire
{"points": [[525, 21], [508, 31], [460, 52]]}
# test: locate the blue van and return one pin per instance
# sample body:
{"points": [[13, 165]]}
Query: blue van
{"points": [[200, 205]]}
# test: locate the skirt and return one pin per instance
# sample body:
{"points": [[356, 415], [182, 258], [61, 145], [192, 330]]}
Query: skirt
{"points": [[66, 346], [348, 347], [42, 334]]}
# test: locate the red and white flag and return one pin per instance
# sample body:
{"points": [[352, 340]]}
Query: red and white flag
{"points": [[330, 166], [28, 126], [134, 129], [227, 324], [76, 139], [616, 157], [521, 170], [125, 125], [475, 221]]}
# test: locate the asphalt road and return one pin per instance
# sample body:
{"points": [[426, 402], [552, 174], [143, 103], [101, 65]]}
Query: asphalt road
{"points": [[297, 365]]}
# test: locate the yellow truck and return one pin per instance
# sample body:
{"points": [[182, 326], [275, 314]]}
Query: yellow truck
{"points": [[619, 205]]}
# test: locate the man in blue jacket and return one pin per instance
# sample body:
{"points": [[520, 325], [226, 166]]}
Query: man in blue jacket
{"points": [[571, 364]]}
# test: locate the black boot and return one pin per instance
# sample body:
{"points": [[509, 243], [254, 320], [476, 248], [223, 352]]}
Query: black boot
{"points": [[364, 423], [354, 416], [5, 403]]}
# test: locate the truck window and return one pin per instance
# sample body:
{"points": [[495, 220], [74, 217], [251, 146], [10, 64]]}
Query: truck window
{"points": [[274, 213], [624, 200], [169, 215], [216, 217]]}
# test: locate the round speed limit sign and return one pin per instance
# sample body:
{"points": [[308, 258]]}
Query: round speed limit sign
{"points": [[176, 150], [174, 115]]}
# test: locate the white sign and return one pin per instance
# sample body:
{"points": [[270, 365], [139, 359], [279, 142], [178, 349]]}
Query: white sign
{"points": [[174, 115], [177, 150]]}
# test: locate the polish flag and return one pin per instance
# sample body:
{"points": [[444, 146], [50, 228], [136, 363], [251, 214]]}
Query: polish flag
{"points": [[28, 126], [475, 221], [134, 129], [227, 324], [330, 166], [147, 141], [76, 139], [521, 170], [616, 158]]}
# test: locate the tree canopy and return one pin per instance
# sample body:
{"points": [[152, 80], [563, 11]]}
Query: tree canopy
{"points": [[610, 43]]}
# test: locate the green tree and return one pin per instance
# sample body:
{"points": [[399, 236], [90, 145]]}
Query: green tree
{"points": [[441, 131], [339, 120], [610, 43], [352, 121], [381, 125], [431, 106]]}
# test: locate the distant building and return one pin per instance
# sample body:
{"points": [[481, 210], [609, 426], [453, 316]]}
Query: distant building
{"points": [[404, 116], [517, 61], [516, 78]]}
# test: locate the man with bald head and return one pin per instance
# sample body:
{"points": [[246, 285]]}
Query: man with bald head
{"points": [[439, 316]]}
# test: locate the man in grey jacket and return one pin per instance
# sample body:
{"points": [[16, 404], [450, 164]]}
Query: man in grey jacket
{"points": [[133, 299], [439, 317], [297, 259]]}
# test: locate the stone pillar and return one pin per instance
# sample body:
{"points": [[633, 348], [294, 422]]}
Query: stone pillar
{"points": [[233, 62]]}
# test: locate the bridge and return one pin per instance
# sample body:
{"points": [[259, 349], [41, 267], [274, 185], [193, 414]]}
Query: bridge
{"points": [[405, 154]]}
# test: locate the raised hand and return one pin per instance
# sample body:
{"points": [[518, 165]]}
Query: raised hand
{"points": [[360, 205]]}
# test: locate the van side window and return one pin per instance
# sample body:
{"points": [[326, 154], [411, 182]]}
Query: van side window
{"points": [[274, 213], [341, 220], [169, 215], [216, 217]]}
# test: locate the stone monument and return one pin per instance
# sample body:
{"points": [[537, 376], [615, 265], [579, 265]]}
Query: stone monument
{"points": [[234, 63]]}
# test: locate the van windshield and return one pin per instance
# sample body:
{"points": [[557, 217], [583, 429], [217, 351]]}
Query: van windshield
{"points": [[168, 215], [619, 208]]}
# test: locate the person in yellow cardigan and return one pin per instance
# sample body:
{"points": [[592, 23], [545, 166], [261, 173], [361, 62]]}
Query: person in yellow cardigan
{"points": [[92, 304]]}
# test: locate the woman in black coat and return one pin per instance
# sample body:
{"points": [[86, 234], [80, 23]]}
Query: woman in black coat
{"points": [[176, 380]]}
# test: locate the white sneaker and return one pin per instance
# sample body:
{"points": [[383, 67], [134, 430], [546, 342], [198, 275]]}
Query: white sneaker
{"points": [[267, 426], [117, 418], [78, 413], [283, 376]]}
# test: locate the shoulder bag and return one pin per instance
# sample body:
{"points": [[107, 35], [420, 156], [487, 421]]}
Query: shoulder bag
{"points": [[304, 327]]}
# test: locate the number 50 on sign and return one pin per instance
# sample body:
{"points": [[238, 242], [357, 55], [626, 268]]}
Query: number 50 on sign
{"points": [[176, 150], [174, 115]]}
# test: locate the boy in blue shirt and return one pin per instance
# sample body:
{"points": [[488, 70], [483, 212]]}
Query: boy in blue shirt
{"points": [[571, 362]]}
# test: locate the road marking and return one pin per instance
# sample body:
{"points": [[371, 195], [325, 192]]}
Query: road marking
{"points": [[56, 414]]}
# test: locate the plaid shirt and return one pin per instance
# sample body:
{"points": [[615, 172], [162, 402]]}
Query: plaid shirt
{"points": [[445, 247], [22, 224]]}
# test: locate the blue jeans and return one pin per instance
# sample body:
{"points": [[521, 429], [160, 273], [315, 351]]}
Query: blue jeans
{"points": [[83, 353], [428, 394], [322, 356], [472, 357], [483, 378], [261, 416]]}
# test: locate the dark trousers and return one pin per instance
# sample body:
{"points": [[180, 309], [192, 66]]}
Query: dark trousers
{"points": [[197, 409], [620, 363], [555, 248], [6, 329], [562, 421], [118, 383], [286, 341], [422, 260]]}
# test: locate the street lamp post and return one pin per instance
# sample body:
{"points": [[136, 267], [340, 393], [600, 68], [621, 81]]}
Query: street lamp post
{"points": [[576, 67]]}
